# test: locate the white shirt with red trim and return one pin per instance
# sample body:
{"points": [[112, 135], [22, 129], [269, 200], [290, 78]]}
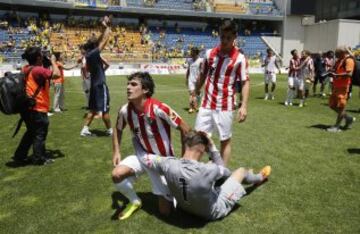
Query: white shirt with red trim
{"points": [[222, 71], [151, 128], [270, 64], [194, 68]]}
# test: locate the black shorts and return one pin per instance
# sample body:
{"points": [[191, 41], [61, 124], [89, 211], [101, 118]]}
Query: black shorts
{"points": [[99, 98]]}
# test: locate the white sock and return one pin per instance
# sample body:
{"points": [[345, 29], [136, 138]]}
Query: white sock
{"points": [[126, 188], [85, 128], [110, 131], [252, 178], [292, 94]]}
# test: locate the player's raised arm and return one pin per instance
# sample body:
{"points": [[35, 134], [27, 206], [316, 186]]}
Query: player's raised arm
{"points": [[105, 35]]}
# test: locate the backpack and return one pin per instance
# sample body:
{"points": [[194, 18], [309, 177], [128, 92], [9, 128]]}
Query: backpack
{"points": [[13, 97], [355, 78], [12, 93]]}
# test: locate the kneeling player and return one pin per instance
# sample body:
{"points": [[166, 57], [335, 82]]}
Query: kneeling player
{"points": [[192, 183], [150, 122]]}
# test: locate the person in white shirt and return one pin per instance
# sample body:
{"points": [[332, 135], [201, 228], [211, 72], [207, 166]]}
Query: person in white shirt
{"points": [[270, 65], [192, 75]]}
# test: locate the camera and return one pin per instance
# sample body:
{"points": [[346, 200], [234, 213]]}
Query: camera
{"points": [[46, 58]]}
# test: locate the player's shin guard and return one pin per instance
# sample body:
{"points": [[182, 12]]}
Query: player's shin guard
{"points": [[125, 187]]}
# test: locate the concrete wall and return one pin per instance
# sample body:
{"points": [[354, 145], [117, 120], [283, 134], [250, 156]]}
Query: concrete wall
{"points": [[328, 35], [321, 36], [349, 32], [294, 36], [317, 37]]}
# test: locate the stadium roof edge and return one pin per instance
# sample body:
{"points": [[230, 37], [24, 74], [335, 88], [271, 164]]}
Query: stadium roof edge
{"points": [[130, 11]]}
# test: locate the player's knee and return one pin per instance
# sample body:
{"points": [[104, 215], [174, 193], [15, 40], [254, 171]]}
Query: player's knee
{"points": [[118, 175], [239, 174]]}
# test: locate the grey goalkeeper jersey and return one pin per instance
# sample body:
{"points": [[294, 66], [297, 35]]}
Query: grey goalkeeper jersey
{"points": [[190, 182]]}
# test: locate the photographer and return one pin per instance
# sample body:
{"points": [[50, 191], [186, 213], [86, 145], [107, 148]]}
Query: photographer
{"points": [[35, 117], [343, 70]]}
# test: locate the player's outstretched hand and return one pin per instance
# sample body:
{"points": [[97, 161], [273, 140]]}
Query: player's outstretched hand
{"points": [[106, 21], [242, 114]]}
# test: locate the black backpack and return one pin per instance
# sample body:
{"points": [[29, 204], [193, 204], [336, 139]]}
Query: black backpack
{"points": [[13, 98], [12, 93], [355, 78]]}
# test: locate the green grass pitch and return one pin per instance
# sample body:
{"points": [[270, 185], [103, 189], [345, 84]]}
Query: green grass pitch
{"points": [[314, 187]]}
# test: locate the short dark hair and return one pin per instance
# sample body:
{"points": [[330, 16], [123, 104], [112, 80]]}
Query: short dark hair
{"points": [[330, 53], [146, 80], [293, 52], [193, 138], [268, 50], [228, 26], [31, 54], [195, 50], [91, 44]]}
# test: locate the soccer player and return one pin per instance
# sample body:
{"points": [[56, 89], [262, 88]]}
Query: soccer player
{"points": [[99, 93], [270, 64], [306, 75], [35, 118], [329, 63], [192, 183], [344, 67], [192, 75], [292, 77], [150, 122], [223, 65]]}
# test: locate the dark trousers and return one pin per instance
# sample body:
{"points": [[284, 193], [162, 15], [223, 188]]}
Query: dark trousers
{"points": [[37, 124]]}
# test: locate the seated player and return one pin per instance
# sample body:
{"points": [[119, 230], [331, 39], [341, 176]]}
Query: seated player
{"points": [[192, 183]]}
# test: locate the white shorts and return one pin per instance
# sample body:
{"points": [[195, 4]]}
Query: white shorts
{"points": [[299, 83], [230, 193], [208, 120], [191, 85], [270, 77], [158, 182], [291, 81]]}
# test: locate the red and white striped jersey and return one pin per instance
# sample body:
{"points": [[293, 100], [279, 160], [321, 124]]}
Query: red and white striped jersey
{"points": [[222, 71], [151, 128], [294, 63]]}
